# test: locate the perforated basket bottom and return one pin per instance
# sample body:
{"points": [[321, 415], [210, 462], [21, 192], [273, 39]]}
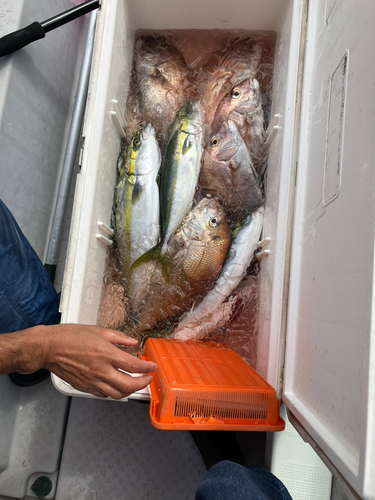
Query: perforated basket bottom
{"points": [[221, 405], [205, 386]]}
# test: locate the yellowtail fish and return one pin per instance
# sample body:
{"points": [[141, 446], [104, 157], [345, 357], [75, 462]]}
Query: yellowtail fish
{"points": [[137, 209], [179, 176]]}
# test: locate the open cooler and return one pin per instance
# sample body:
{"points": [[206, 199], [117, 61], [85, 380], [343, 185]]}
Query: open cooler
{"points": [[315, 343]]}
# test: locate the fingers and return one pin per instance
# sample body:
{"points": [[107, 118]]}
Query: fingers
{"points": [[112, 392], [97, 393], [139, 383], [95, 367], [116, 337], [122, 385], [123, 360], [90, 390], [131, 364]]}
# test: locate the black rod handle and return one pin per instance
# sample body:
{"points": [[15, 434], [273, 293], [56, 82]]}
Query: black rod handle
{"points": [[35, 31], [18, 39]]}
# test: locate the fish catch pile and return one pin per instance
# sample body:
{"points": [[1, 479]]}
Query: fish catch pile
{"points": [[188, 203]]}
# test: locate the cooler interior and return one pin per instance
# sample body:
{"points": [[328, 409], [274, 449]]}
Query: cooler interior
{"points": [[117, 23]]}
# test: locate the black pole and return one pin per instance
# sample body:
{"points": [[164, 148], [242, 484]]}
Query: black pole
{"points": [[35, 31], [69, 15]]}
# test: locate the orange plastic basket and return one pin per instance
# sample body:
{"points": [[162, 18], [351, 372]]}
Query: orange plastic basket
{"points": [[204, 386]]}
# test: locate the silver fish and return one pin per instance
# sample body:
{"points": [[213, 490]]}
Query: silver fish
{"points": [[137, 208], [179, 176]]}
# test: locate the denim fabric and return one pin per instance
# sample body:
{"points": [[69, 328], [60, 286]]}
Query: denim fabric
{"points": [[27, 296], [230, 481]]}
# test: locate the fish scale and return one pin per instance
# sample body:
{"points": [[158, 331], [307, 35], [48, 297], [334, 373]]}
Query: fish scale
{"points": [[203, 260]]}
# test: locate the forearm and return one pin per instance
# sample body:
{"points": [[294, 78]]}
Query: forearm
{"points": [[22, 351]]}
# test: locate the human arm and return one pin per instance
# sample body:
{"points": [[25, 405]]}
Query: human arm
{"points": [[84, 356]]}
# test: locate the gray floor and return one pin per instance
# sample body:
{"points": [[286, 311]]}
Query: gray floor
{"points": [[112, 452], [32, 422]]}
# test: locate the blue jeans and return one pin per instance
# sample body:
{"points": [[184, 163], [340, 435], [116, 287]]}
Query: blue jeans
{"points": [[230, 481], [27, 296]]}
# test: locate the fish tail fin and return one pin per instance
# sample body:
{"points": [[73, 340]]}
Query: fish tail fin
{"points": [[164, 263], [155, 253], [152, 254]]}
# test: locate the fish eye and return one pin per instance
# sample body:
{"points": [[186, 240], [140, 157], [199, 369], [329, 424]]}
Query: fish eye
{"points": [[213, 222], [236, 93], [189, 110], [137, 142], [214, 141]]}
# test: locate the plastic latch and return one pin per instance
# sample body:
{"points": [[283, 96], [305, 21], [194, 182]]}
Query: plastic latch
{"points": [[109, 233], [264, 252], [272, 130]]}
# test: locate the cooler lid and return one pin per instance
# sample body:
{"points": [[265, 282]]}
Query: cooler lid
{"points": [[329, 384]]}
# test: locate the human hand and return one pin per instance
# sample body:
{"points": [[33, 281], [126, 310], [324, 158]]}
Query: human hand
{"points": [[85, 357]]}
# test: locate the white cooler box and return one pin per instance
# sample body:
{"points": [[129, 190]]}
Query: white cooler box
{"points": [[316, 320]]}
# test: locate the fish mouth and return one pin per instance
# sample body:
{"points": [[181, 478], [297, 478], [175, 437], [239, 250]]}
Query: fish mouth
{"points": [[148, 131]]}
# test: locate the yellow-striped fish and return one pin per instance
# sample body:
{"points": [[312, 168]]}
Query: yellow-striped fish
{"points": [[137, 208], [179, 176]]}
